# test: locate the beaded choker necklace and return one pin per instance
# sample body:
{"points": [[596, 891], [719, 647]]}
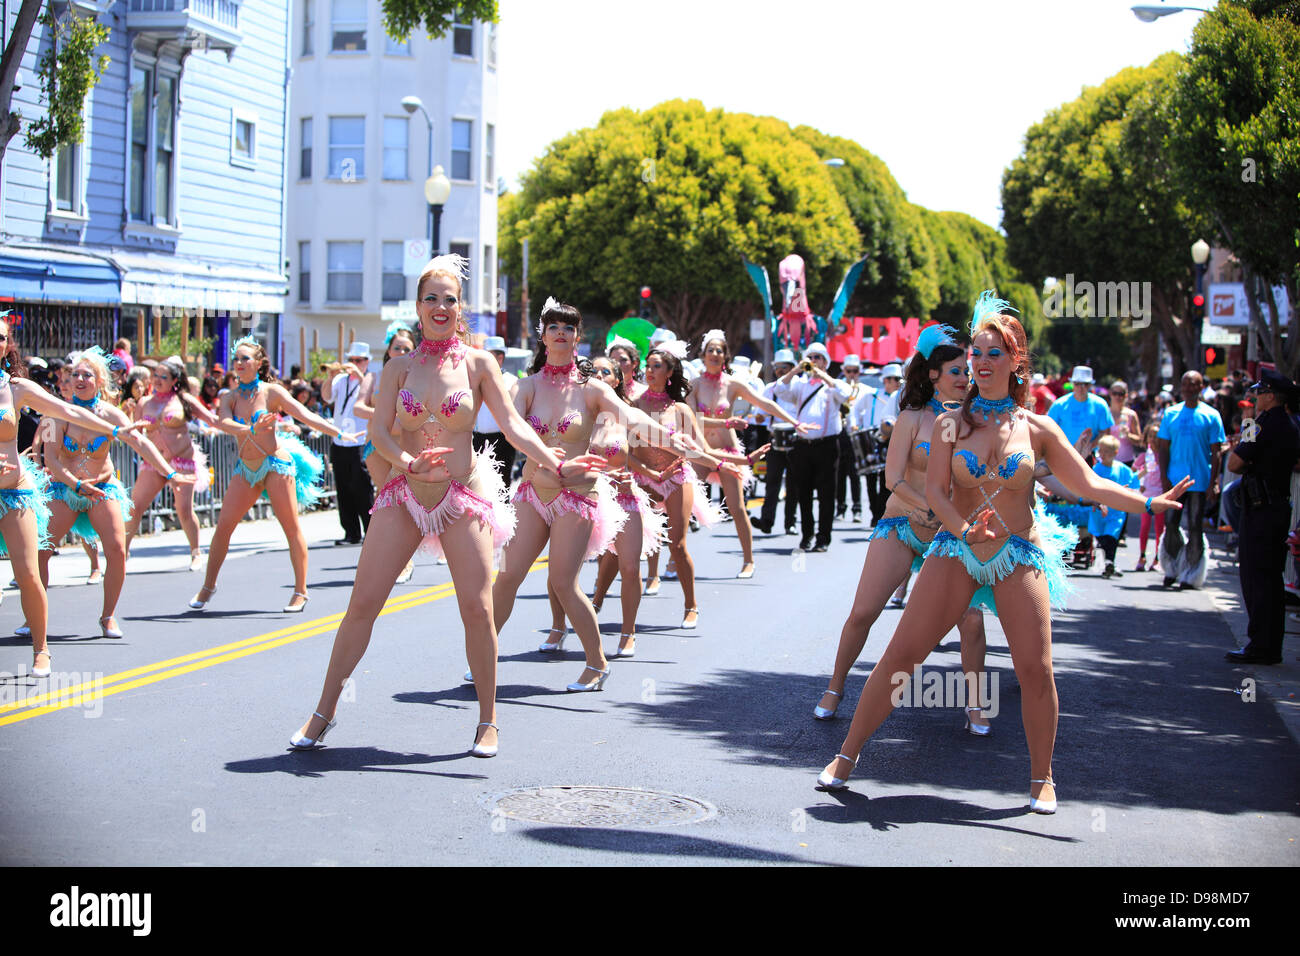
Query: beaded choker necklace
{"points": [[939, 408], [442, 349], [999, 407], [250, 390], [558, 373], [712, 376], [91, 403], [657, 396]]}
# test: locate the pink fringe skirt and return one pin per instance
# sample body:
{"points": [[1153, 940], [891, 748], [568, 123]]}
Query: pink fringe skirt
{"points": [[196, 466], [654, 523], [606, 517], [481, 495], [701, 508]]}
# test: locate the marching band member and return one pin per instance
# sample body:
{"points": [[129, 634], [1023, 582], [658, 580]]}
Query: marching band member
{"points": [[778, 458]]}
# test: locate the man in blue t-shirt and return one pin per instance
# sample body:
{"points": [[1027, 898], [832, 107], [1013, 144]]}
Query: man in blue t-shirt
{"points": [[1081, 410], [1189, 444]]}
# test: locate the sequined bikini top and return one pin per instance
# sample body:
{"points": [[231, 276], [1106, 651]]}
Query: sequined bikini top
{"points": [[455, 413]]}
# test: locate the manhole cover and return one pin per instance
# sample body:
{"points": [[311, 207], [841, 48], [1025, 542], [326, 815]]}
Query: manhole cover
{"points": [[599, 807]]}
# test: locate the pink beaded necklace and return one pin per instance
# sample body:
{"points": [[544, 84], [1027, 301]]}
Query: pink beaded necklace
{"points": [[558, 373], [441, 349]]}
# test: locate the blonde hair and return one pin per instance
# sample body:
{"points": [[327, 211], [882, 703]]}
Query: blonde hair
{"points": [[94, 357], [452, 267], [1110, 443]]}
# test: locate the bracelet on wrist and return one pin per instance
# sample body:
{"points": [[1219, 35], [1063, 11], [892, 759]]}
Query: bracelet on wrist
{"points": [[1149, 511], [116, 428], [77, 488], [964, 533], [170, 476]]}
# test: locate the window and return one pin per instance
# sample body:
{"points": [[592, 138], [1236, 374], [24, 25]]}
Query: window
{"points": [[243, 138], [304, 272], [394, 282], [151, 180], [462, 38], [396, 48], [348, 26], [462, 152], [347, 148], [344, 265], [489, 157], [308, 25], [396, 141], [488, 299], [304, 162], [492, 46]]}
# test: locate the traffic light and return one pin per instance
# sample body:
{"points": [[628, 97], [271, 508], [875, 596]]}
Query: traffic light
{"points": [[645, 302], [1216, 361]]}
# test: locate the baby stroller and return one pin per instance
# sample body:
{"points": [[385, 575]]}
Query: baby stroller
{"points": [[1085, 552]]}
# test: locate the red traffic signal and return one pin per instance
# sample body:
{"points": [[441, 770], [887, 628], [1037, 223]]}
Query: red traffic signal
{"points": [[645, 292], [1214, 356], [1198, 300]]}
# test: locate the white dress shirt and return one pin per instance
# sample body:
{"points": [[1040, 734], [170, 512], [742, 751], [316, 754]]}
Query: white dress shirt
{"points": [[769, 392], [874, 408], [484, 423], [822, 411]]}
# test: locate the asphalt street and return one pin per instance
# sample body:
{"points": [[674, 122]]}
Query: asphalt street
{"points": [[170, 745]]}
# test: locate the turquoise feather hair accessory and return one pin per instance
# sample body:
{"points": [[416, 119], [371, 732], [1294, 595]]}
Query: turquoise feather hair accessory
{"points": [[392, 330], [246, 340], [933, 336], [987, 306]]}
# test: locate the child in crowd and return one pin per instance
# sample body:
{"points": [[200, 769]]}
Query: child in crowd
{"points": [[1148, 471], [1104, 525]]}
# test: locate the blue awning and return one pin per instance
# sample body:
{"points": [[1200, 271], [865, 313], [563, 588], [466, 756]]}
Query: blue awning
{"points": [[31, 275]]}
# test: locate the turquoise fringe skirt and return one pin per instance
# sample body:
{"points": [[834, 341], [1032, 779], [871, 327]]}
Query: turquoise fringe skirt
{"points": [[901, 529], [304, 465], [113, 491], [34, 499]]}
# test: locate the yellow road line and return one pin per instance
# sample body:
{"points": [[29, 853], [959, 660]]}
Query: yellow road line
{"points": [[38, 704]]}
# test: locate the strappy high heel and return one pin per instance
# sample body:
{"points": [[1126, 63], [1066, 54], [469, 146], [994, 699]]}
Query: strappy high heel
{"points": [[746, 572], [485, 750], [979, 730], [41, 671], [821, 713], [594, 685], [830, 783], [196, 560], [296, 608], [300, 742], [691, 624], [553, 647], [651, 587], [407, 573], [1043, 806], [200, 605], [109, 631], [620, 652]]}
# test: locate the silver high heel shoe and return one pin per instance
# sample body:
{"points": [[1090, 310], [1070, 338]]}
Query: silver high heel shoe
{"points": [[1043, 806], [108, 631], [619, 652], [296, 608], [407, 573], [553, 647], [196, 560], [469, 676], [42, 671], [200, 605], [299, 742], [821, 713], [746, 573], [485, 750], [826, 782], [693, 624], [979, 730], [23, 630], [596, 684]]}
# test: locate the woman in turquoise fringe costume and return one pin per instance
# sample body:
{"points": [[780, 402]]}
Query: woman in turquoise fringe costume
{"points": [[278, 466], [980, 483], [24, 511], [937, 379], [86, 496]]}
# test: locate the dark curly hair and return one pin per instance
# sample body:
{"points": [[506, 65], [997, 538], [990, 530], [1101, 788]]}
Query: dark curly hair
{"points": [[917, 387], [621, 388], [565, 313], [12, 362], [677, 388]]}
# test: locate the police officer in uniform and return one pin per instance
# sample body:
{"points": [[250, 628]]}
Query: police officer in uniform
{"points": [[1265, 458]]}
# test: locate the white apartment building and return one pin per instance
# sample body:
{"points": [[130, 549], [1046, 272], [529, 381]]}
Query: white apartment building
{"points": [[358, 161]]}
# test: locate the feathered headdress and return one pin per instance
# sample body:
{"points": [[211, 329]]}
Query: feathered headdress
{"points": [[550, 303], [986, 306], [674, 347], [99, 359], [713, 334], [932, 336], [452, 263], [246, 340]]}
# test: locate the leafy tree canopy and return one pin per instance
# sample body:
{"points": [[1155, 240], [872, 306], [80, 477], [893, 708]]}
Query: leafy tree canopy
{"points": [[402, 17]]}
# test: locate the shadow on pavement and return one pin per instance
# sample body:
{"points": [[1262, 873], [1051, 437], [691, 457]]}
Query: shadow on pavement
{"points": [[889, 813], [317, 763], [663, 844], [1149, 717]]}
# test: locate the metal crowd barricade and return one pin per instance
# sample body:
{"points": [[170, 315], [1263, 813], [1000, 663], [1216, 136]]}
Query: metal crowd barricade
{"points": [[222, 452]]}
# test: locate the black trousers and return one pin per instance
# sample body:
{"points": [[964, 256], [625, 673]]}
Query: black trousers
{"points": [[778, 467], [502, 450], [1260, 564], [848, 476], [355, 493], [877, 495], [1185, 529], [814, 466]]}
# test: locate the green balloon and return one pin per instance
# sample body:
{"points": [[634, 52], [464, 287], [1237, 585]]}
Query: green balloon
{"points": [[636, 330]]}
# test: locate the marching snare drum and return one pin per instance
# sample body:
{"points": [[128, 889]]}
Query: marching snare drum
{"points": [[783, 438], [868, 452]]}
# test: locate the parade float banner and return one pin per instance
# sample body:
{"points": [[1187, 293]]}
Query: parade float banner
{"points": [[877, 341]]}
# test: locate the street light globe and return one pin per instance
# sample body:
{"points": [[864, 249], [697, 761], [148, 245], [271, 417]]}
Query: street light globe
{"points": [[412, 103], [1200, 252], [437, 188]]}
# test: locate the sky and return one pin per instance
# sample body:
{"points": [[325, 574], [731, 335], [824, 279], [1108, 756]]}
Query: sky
{"points": [[943, 91]]}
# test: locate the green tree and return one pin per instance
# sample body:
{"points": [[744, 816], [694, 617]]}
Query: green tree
{"points": [[1094, 196], [1234, 136], [401, 17], [673, 197]]}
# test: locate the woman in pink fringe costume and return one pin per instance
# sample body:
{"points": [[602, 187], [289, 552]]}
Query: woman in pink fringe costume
{"points": [[681, 492], [712, 398], [642, 535], [577, 517], [442, 495], [167, 410]]}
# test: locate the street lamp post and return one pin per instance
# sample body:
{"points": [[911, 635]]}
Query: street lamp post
{"points": [[437, 189], [1200, 258], [411, 104], [1148, 14]]}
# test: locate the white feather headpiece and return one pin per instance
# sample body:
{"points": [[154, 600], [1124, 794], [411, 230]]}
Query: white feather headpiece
{"points": [[713, 334], [550, 303], [674, 347]]}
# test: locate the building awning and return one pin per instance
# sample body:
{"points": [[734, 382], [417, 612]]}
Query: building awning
{"points": [[44, 275], [179, 284]]}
